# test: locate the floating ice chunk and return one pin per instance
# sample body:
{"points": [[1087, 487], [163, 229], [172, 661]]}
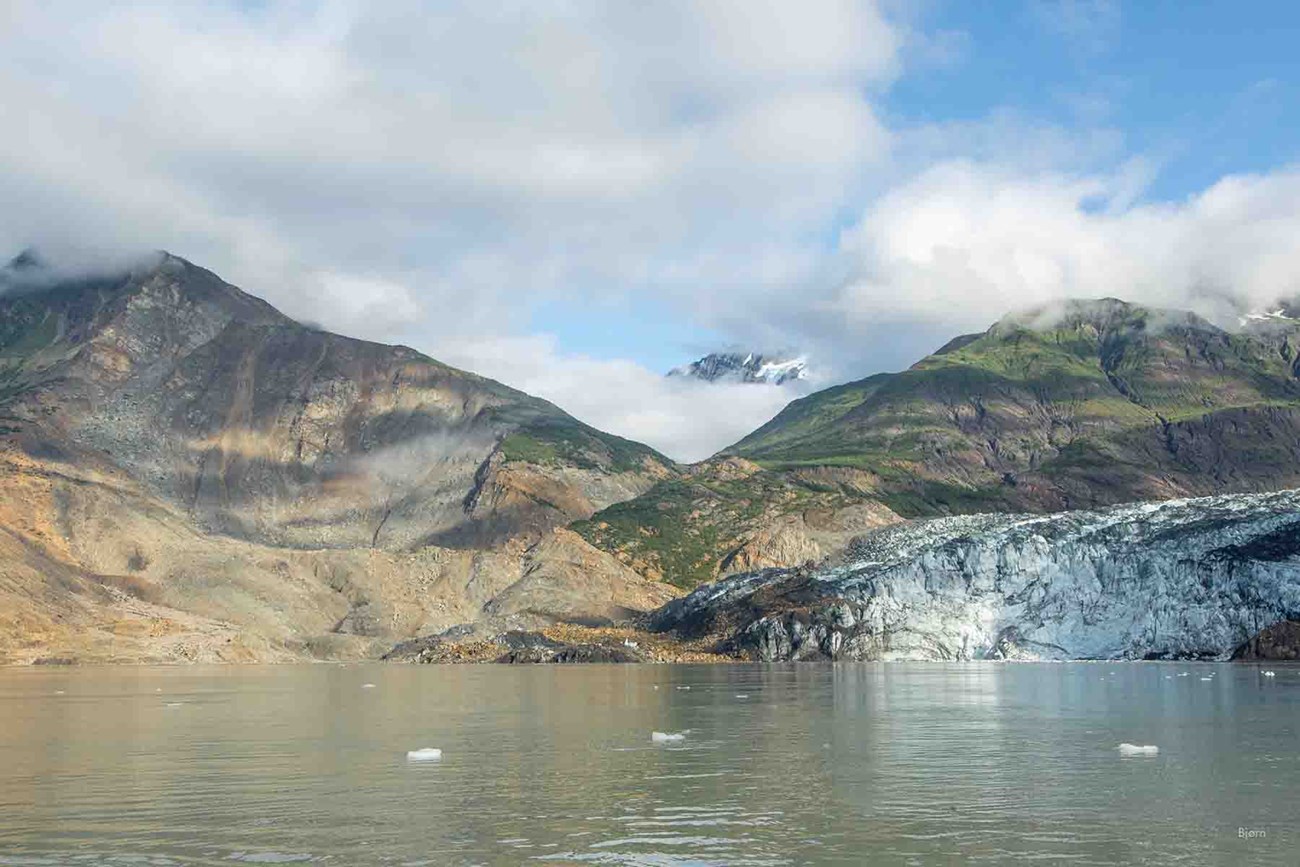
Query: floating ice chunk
{"points": [[424, 754], [667, 737], [367, 686], [1270, 674], [1135, 750]]}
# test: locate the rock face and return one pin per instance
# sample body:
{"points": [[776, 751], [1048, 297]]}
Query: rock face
{"points": [[1280, 642], [267, 430], [189, 474], [1180, 579]]}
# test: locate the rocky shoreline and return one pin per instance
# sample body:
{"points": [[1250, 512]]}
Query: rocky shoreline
{"points": [[559, 644]]}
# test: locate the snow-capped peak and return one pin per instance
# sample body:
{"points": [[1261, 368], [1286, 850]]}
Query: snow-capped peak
{"points": [[753, 367], [1281, 314]]}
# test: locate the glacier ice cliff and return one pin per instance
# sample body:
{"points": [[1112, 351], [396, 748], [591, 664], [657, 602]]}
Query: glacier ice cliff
{"points": [[1191, 578]]}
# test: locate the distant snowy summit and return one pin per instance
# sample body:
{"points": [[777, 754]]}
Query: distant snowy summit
{"points": [[745, 367]]}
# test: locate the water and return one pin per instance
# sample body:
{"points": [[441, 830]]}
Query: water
{"points": [[846, 764]]}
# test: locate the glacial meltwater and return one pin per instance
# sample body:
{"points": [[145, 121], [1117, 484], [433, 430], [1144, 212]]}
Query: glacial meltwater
{"points": [[790, 764]]}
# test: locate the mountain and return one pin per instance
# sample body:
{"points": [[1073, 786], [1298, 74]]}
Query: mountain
{"points": [[1086, 404], [183, 458], [750, 367], [1197, 578], [1091, 403]]}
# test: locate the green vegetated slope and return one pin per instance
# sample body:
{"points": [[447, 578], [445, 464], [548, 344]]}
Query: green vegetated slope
{"points": [[1098, 402], [683, 529], [1090, 403]]}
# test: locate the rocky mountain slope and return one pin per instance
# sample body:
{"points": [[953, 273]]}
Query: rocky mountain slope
{"points": [[1180, 579], [180, 457], [1089, 404], [751, 367]]}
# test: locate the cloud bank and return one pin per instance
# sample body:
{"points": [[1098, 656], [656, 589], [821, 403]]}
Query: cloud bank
{"points": [[437, 175]]}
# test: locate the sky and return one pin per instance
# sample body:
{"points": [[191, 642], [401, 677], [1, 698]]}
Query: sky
{"points": [[575, 197]]}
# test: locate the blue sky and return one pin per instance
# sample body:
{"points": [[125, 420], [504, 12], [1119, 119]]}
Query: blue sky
{"points": [[573, 198], [1200, 89], [1191, 91]]}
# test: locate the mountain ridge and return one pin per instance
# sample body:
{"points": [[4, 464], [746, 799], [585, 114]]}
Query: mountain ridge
{"points": [[1083, 404], [160, 428]]}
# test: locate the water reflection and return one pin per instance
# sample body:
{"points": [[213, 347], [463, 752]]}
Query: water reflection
{"points": [[555, 765]]}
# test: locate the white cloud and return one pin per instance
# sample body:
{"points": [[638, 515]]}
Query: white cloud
{"points": [[964, 242], [435, 174], [685, 419], [410, 172]]}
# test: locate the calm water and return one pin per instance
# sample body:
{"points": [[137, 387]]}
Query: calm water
{"points": [[878, 764]]}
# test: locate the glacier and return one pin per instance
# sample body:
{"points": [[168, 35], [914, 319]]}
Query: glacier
{"points": [[1178, 579]]}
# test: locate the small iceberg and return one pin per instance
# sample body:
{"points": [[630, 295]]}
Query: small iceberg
{"points": [[1135, 750], [667, 737], [426, 754]]}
